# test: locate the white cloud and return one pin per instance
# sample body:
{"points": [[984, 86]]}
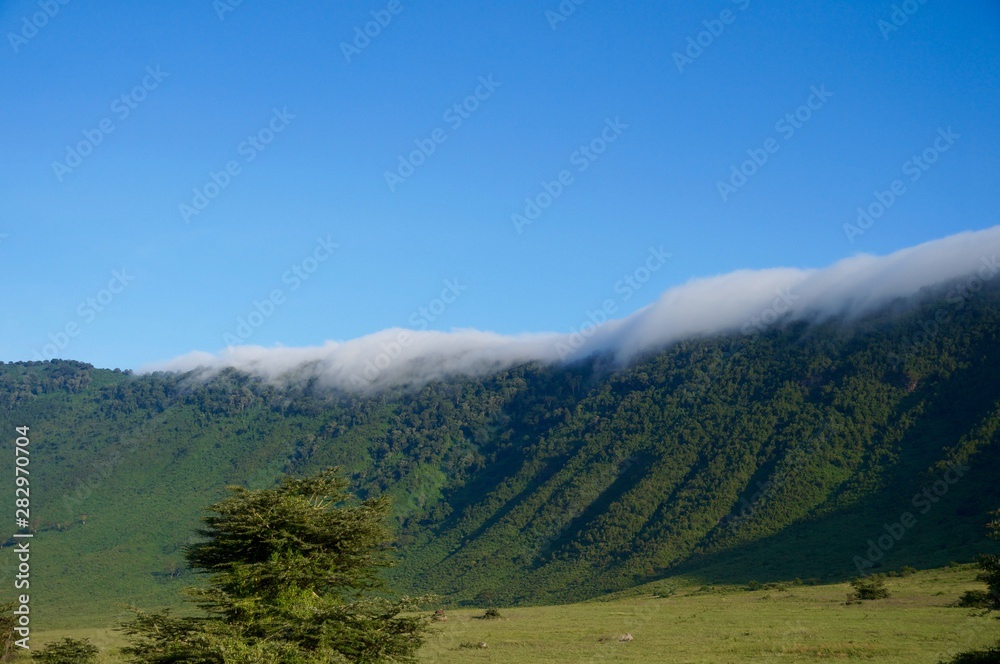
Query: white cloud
{"points": [[707, 306]]}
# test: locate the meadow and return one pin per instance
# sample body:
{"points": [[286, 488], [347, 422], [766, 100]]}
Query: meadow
{"points": [[681, 621]]}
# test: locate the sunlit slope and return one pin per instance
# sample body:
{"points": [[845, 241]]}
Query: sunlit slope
{"points": [[787, 453]]}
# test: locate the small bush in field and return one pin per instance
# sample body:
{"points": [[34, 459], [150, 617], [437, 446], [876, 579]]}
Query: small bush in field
{"points": [[67, 651], [867, 588]]}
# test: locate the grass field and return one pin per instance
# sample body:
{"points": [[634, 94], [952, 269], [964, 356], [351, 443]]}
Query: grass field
{"points": [[675, 622]]}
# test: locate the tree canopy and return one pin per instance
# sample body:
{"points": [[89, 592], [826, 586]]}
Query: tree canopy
{"points": [[292, 579]]}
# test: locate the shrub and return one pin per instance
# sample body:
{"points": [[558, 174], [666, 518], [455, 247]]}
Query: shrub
{"points": [[867, 588], [67, 651], [975, 599], [988, 656], [491, 614]]}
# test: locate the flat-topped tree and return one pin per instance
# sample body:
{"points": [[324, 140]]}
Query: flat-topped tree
{"points": [[291, 573]]}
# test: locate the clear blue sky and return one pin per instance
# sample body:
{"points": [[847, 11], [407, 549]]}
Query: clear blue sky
{"points": [[551, 87]]}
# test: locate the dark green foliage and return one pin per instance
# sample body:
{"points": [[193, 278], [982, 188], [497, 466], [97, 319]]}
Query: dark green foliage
{"points": [[987, 656], [491, 614], [67, 651], [868, 588], [290, 574], [322, 544], [163, 639], [988, 599], [7, 635], [975, 599], [990, 566], [766, 457]]}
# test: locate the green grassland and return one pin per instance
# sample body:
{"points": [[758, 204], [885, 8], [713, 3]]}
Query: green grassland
{"points": [[680, 621]]}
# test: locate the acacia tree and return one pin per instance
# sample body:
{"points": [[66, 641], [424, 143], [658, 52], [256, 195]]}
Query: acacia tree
{"points": [[292, 573]]}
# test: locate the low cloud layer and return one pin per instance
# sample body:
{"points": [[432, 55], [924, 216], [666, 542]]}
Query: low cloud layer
{"points": [[739, 302]]}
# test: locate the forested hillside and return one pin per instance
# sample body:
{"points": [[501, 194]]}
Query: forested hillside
{"points": [[783, 454]]}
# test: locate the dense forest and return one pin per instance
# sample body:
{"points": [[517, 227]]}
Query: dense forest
{"points": [[793, 452]]}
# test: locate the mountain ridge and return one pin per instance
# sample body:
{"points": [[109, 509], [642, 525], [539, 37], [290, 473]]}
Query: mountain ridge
{"points": [[768, 456]]}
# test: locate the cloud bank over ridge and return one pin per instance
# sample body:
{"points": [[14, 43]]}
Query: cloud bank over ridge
{"points": [[737, 302]]}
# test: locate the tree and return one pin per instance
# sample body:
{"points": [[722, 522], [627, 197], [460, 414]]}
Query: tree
{"points": [[67, 651], [990, 565], [989, 600], [292, 576], [7, 635]]}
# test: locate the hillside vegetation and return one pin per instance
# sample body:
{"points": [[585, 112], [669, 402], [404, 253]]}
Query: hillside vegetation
{"points": [[814, 451]]}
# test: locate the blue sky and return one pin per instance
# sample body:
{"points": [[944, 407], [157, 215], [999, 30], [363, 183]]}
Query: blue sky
{"points": [[102, 262]]}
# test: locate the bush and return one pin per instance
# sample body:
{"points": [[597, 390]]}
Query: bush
{"points": [[867, 588], [988, 656], [491, 614], [975, 599], [989, 573], [904, 572], [67, 651]]}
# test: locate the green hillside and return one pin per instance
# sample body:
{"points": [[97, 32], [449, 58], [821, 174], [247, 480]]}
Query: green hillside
{"points": [[780, 455]]}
